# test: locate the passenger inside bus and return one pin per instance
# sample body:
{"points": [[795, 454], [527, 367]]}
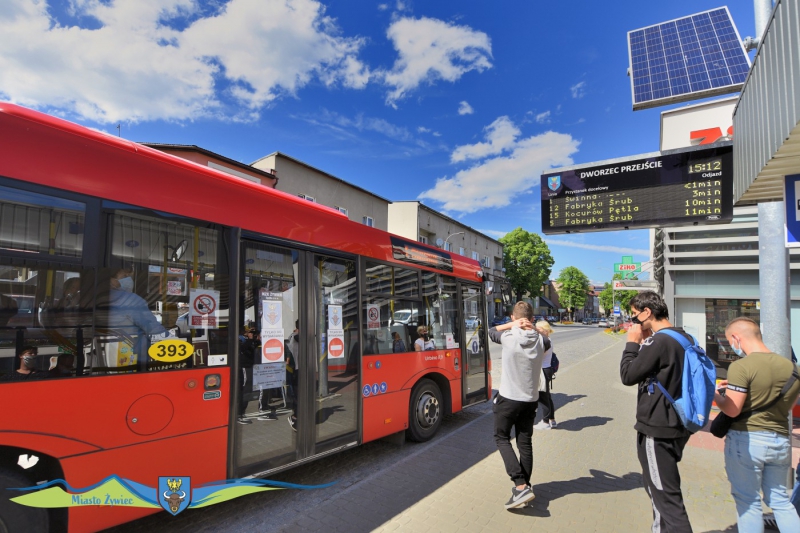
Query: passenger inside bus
{"points": [[27, 366]]}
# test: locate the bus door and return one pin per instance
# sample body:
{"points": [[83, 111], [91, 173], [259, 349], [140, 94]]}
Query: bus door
{"points": [[475, 351], [298, 383]]}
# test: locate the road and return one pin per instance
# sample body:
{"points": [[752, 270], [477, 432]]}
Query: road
{"points": [[273, 510]]}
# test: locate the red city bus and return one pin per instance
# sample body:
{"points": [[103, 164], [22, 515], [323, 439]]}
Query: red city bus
{"points": [[120, 252]]}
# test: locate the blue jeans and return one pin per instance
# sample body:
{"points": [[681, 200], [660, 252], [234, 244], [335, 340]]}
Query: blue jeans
{"points": [[796, 492], [758, 461]]}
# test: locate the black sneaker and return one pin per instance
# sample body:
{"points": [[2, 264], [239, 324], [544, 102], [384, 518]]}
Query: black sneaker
{"points": [[519, 497], [243, 420], [267, 417]]}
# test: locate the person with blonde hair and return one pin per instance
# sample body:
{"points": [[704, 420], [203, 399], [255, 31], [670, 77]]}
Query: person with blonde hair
{"points": [[548, 409]]}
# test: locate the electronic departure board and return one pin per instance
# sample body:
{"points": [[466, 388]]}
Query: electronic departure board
{"points": [[676, 189]]}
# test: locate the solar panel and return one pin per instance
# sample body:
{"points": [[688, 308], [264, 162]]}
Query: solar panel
{"points": [[686, 59]]}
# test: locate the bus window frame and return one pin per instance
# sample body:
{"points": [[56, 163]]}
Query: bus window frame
{"points": [[91, 235]]}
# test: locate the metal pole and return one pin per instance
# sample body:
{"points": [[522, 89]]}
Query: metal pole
{"points": [[774, 282], [763, 11], [773, 263]]}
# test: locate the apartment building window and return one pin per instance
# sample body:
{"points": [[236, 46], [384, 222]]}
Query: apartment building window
{"points": [[476, 256], [306, 197], [461, 250], [341, 209], [487, 261], [368, 221], [423, 239], [448, 246]]}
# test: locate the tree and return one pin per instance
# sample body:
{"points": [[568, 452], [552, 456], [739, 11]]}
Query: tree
{"points": [[623, 297], [527, 260], [574, 288]]}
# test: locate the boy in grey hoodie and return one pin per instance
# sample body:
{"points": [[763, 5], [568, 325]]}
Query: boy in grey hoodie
{"points": [[515, 404]]}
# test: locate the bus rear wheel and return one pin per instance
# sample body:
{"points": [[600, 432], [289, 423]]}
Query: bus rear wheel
{"points": [[424, 411], [14, 516]]}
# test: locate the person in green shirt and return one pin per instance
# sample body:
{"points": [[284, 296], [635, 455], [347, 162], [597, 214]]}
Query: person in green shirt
{"points": [[758, 452]]}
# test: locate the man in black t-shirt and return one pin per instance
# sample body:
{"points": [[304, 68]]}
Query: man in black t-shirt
{"points": [[661, 436]]}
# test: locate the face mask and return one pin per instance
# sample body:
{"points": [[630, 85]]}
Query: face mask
{"points": [[126, 284], [635, 319], [737, 349], [27, 360]]}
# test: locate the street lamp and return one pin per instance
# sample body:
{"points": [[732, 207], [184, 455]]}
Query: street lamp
{"points": [[452, 235]]}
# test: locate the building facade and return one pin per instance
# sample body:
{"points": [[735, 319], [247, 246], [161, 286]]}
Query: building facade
{"points": [[315, 185], [209, 159]]}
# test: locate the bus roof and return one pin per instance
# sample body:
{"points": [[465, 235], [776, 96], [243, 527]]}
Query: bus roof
{"points": [[46, 150]]}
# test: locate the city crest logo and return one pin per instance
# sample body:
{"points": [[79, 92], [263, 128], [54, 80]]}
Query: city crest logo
{"points": [[176, 493], [554, 182]]}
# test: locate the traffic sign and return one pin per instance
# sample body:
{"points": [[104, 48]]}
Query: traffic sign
{"points": [[792, 196], [616, 311], [272, 350], [335, 348], [635, 285]]}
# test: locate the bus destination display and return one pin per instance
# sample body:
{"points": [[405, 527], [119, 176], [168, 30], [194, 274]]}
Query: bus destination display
{"points": [[688, 188]]}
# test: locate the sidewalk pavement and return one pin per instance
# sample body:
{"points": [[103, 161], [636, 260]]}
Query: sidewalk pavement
{"points": [[586, 474]]}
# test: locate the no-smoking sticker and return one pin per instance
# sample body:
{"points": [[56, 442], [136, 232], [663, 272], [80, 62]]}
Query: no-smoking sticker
{"points": [[203, 308]]}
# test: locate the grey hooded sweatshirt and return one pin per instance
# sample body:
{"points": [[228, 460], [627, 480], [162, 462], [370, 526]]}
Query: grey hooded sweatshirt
{"points": [[523, 351]]}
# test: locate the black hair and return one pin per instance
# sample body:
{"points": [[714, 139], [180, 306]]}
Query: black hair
{"points": [[654, 302]]}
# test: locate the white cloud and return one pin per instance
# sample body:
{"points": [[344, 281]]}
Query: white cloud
{"points": [[495, 181], [543, 118], [137, 66], [578, 90], [436, 134], [423, 129], [598, 247], [464, 108], [501, 135], [383, 7], [430, 50]]}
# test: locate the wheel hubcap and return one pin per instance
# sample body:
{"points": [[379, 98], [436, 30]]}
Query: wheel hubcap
{"points": [[427, 410]]}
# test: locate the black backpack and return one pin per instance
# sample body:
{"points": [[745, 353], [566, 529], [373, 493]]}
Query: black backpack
{"points": [[554, 362]]}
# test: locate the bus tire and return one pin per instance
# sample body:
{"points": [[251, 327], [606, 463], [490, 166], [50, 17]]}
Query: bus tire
{"points": [[424, 411], [13, 516]]}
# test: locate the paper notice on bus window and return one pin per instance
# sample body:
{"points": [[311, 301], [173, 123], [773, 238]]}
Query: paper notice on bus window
{"points": [[272, 346], [203, 309], [449, 343], [373, 316], [271, 314], [334, 317], [335, 344], [174, 288], [269, 375]]}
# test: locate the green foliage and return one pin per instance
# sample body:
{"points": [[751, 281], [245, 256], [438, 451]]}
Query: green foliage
{"points": [[527, 260], [624, 297], [574, 288]]}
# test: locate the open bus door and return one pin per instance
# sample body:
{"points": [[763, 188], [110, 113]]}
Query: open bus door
{"points": [[475, 350]]}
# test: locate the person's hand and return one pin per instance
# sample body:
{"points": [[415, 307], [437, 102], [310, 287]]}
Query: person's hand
{"points": [[636, 334], [523, 323], [723, 384]]}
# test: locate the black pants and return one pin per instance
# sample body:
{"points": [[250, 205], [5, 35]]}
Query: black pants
{"points": [[662, 481], [520, 416], [545, 398]]}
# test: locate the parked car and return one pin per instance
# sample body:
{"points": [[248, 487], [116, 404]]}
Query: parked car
{"points": [[602, 323], [498, 320], [551, 319], [587, 321]]}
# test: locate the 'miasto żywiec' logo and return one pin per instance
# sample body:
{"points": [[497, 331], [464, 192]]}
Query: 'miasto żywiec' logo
{"points": [[176, 493], [554, 182]]}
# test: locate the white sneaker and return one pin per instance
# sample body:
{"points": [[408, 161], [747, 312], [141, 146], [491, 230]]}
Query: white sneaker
{"points": [[542, 425], [553, 424]]}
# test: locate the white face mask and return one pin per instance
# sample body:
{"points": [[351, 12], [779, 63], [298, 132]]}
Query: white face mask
{"points": [[126, 284]]}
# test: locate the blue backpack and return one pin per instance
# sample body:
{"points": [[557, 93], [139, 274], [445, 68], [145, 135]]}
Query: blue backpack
{"points": [[697, 388]]}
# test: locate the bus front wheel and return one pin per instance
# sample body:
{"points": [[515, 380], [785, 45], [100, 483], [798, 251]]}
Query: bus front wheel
{"points": [[14, 516], [424, 411]]}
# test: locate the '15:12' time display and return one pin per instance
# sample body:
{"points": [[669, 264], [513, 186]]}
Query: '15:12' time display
{"points": [[712, 165]]}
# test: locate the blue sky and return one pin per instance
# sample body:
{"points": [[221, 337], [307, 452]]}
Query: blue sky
{"points": [[459, 104]]}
